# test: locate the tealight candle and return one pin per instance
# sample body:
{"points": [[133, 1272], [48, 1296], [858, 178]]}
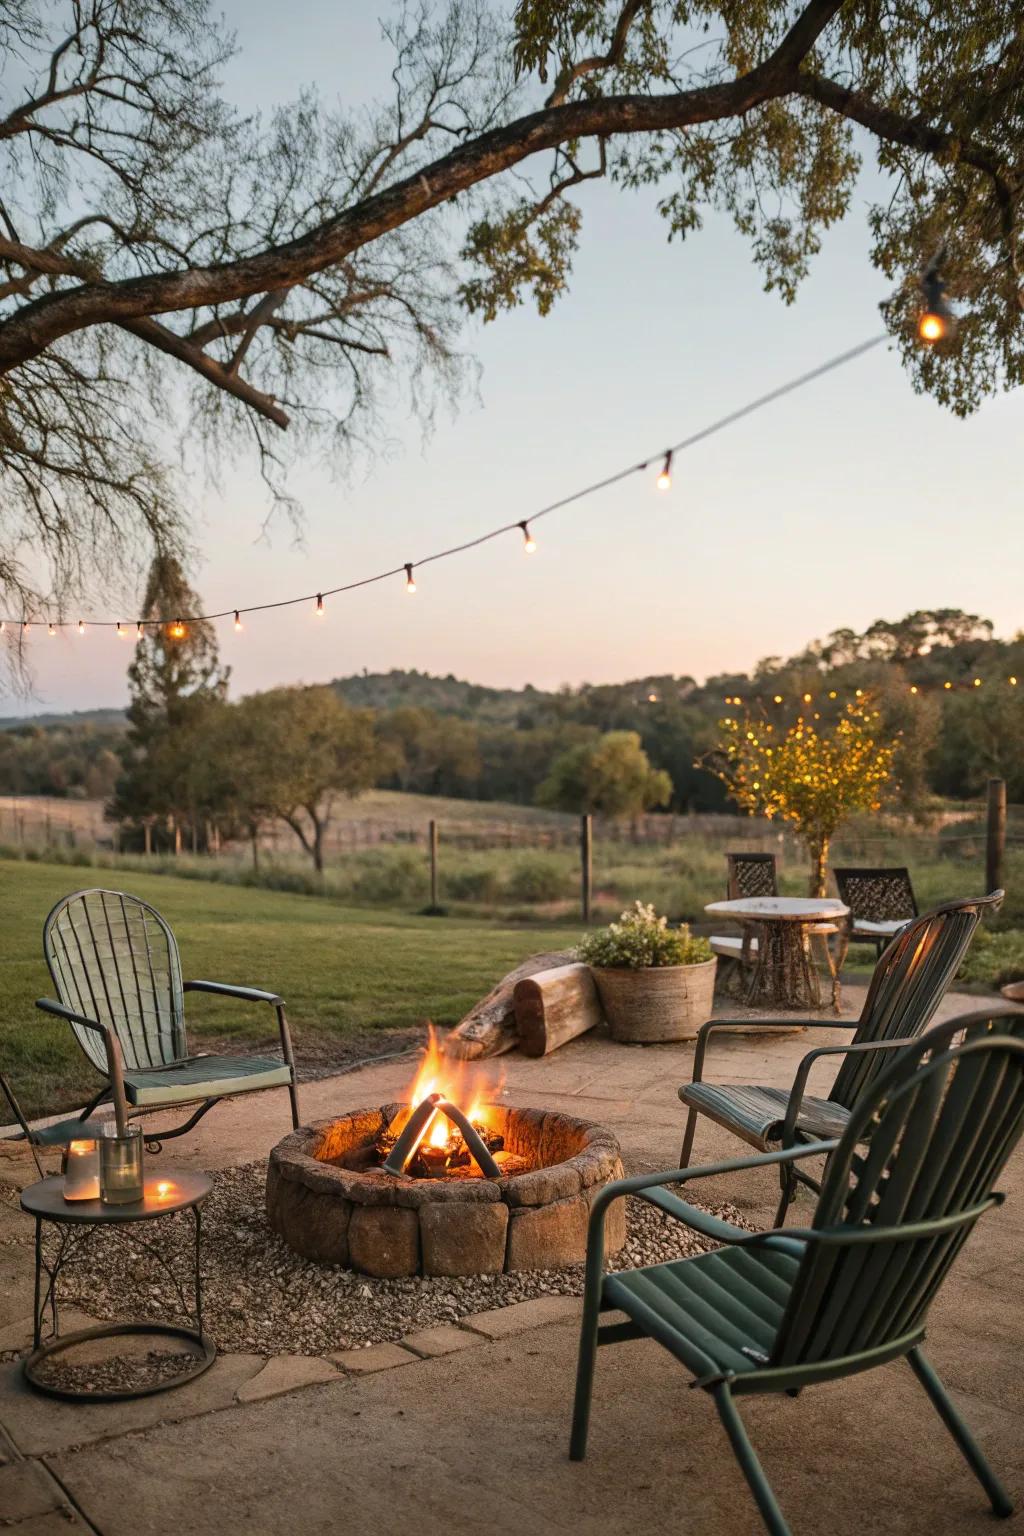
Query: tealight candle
{"points": [[82, 1171]]}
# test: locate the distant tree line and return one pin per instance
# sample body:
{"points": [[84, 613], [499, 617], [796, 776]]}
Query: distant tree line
{"points": [[192, 769]]}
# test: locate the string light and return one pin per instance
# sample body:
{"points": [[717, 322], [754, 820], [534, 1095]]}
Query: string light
{"points": [[1013, 682], [947, 685], [977, 682], [120, 629], [50, 629], [319, 605], [3, 626], [81, 627], [529, 542], [26, 627], [238, 622], [936, 320], [177, 630], [664, 481], [778, 698], [913, 687], [410, 584]]}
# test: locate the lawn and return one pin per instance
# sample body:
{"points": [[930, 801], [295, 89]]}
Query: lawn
{"points": [[347, 975]]}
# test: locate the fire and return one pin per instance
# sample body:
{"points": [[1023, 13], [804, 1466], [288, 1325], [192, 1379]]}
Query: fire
{"points": [[460, 1082]]}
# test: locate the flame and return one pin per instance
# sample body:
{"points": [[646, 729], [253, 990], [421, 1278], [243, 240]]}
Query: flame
{"points": [[460, 1082]]}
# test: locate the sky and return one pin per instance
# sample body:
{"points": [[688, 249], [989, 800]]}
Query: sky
{"points": [[852, 500]]}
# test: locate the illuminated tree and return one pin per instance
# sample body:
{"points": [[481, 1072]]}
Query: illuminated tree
{"points": [[813, 776]]}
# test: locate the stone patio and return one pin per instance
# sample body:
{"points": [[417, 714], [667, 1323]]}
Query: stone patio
{"points": [[463, 1428]]}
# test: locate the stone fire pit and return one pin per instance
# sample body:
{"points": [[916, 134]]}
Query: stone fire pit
{"points": [[328, 1205]]}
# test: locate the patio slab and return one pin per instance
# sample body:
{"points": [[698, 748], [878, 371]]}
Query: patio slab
{"points": [[475, 1440]]}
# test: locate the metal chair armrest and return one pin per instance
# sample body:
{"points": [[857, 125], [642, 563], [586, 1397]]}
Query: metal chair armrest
{"points": [[115, 1061], [706, 1030], [642, 1182], [226, 989], [803, 1071]]}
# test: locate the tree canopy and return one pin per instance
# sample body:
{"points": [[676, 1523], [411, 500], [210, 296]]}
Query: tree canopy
{"points": [[292, 269]]}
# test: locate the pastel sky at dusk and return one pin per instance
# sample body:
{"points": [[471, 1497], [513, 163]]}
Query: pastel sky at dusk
{"points": [[852, 500]]}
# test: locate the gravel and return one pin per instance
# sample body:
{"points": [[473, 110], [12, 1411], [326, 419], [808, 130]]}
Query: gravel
{"points": [[115, 1373], [260, 1297]]}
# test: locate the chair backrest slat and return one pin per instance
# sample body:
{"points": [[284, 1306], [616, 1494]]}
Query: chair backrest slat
{"points": [[113, 958], [908, 984], [924, 1146], [876, 895], [751, 874]]}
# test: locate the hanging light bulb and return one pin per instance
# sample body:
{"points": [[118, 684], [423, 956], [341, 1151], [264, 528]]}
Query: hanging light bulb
{"points": [[177, 630], [26, 626], [936, 320], [50, 630], [664, 480], [139, 630], [1013, 680], [947, 685], [410, 584], [81, 626], [319, 606], [3, 626], [238, 622], [913, 687], [120, 629], [529, 542]]}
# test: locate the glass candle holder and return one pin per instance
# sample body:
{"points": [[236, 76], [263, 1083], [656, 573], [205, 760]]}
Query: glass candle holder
{"points": [[82, 1171], [121, 1167]]}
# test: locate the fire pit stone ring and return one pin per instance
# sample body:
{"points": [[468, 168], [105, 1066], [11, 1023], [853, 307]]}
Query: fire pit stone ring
{"points": [[328, 1203]]}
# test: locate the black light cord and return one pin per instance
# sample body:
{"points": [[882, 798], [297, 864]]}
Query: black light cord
{"points": [[406, 567]]}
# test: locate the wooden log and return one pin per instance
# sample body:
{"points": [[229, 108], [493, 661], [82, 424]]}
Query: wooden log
{"points": [[489, 1028], [555, 1006]]}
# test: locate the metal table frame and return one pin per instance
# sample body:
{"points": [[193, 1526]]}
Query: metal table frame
{"points": [[76, 1222]]}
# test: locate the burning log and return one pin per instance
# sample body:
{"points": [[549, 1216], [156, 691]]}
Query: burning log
{"points": [[489, 1028], [410, 1153]]}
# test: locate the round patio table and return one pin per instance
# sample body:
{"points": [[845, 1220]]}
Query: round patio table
{"points": [[784, 975], [169, 1190]]}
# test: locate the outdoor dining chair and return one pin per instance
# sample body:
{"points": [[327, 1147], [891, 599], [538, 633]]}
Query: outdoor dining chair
{"points": [[881, 901], [117, 973], [906, 988], [776, 1312]]}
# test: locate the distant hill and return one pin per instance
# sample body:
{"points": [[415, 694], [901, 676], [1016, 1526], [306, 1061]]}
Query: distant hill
{"points": [[76, 717], [446, 695]]}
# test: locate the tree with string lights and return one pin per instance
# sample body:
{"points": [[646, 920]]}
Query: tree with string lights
{"points": [[293, 270], [810, 775]]}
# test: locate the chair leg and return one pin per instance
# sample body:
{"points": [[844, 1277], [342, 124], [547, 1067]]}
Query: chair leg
{"points": [[751, 1468], [687, 1149], [293, 1094], [787, 1179], [997, 1495], [585, 1366]]}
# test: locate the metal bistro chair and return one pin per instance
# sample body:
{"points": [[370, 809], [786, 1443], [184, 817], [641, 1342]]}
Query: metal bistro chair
{"points": [[777, 1312], [881, 902], [756, 874], [115, 966], [907, 986]]}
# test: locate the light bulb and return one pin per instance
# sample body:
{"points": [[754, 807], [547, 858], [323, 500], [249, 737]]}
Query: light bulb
{"points": [[664, 480], [410, 584], [977, 682], [1013, 680], [778, 698], [238, 622], [529, 542], [947, 685], [931, 326], [913, 687], [177, 630], [138, 630], [26, 627], [81, 627], [319, 606], [50, 629], [3, 626]]}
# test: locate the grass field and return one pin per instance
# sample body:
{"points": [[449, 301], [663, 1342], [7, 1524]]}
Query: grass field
{"points": [[347, 975]]}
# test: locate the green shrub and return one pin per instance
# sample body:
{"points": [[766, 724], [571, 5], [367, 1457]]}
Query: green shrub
{"points": [[401, 877], [535, 879], [641, 939], [996, 958], [471, 885]]}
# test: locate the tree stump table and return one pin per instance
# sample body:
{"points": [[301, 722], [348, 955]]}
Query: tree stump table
{"points": [[784, 975]]}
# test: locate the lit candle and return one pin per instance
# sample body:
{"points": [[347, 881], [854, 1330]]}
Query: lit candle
{"points": [[164, 1188], [82, 1171]]}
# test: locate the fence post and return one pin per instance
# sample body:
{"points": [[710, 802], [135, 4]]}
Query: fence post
{"points": [[433, 862], [995, 834], [586, 864]]}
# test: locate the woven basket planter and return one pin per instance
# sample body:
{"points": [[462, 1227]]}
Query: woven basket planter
{"points": [[658, 1002]]}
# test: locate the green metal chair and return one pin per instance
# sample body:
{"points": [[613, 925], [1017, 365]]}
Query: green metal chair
{"points": [[777, 1312], [907, 986], [117, 972]]}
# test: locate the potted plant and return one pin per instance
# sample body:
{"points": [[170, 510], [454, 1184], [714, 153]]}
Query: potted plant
{"points": [[654, 982]]}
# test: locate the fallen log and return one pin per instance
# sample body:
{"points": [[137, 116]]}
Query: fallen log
{"points": [[555, 1006], [489, 1028]]}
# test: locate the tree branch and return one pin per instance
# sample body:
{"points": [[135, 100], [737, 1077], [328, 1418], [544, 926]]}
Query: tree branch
{"points": [[166, 340], [44, 320], [568, 76]]}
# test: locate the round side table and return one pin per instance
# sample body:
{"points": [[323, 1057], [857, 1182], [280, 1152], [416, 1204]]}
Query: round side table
{"points": [[164, 1194]]}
